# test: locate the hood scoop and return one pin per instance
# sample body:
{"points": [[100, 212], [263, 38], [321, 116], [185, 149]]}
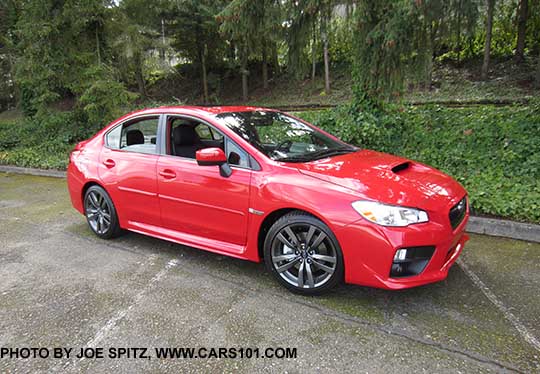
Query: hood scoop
{"points": [[400, 167]]}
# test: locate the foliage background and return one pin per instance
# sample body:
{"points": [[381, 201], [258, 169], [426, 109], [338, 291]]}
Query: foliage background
{"points": [[71, 66]]}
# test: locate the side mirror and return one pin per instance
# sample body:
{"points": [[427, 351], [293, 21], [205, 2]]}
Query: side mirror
{"points": [[214, 157]]}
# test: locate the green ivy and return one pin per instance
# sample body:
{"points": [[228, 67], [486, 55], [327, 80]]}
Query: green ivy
{"points": [[493, 151]]}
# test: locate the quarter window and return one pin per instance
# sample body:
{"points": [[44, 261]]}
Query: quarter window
{"points": [[113, 137], [236, 155]]}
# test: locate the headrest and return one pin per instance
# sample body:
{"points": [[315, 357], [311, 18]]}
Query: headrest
{"points": [[184, 135], [134, 137]]}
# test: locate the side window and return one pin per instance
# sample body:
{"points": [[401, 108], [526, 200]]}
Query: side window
{"points": [[204, 132], [187, 136], [236, 155], [139, 136]]}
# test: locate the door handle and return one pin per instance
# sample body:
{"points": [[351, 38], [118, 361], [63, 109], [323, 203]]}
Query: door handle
{"points": [[167, 174], [109, 163]]}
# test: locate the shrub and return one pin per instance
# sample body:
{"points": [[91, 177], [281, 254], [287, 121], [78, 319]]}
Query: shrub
{"points": [[42, 142], [493, 151]]}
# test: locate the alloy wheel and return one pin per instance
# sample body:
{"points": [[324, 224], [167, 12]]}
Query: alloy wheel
{"points": [[303, 255], [98, 212]]}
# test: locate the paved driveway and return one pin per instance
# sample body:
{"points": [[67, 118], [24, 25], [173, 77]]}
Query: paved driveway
{"points": [[62, 287]]}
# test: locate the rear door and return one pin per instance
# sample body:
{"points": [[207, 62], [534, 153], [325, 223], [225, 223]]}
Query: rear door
{"points": [[128, 170]]}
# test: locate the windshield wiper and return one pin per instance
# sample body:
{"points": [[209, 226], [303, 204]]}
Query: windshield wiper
{"points": [[317, 154], [329, 152]]}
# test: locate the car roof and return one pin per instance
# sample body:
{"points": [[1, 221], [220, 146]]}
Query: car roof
{"points": [[208, 110]]}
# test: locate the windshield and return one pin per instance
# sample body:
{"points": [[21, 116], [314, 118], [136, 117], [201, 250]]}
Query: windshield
{"points": [[283, 138]]}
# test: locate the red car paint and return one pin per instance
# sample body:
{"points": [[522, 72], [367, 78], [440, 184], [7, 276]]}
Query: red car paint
{"points": [[149, 192]]}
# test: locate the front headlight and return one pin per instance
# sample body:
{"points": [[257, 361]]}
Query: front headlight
{"points": [[389, 215]]}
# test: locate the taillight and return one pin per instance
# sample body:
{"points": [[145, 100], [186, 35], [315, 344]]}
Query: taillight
{"points": [[80, 145], [72, 155], [76, 150]]}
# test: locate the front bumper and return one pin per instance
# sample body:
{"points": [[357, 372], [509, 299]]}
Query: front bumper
{"points": [[369, 249]]}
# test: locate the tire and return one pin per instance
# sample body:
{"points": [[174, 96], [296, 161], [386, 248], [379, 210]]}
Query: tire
{"points": [[100, 213], [303, 254]]}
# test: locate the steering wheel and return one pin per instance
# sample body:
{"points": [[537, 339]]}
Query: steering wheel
{"points": [[284, 146]]}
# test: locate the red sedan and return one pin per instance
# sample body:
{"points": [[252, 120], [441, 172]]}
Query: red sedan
{"points": [[259, 184]]}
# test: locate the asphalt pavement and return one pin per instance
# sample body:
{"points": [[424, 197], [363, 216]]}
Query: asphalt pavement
{"points": [[61, 287]]}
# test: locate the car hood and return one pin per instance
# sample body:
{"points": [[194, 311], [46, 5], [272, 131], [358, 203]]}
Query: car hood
{"points": [[388, 179]]}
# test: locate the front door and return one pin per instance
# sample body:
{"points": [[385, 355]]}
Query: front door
{"points": [[196, 200]]}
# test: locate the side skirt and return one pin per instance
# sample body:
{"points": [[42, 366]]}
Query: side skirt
{"points": [[216, 246]]}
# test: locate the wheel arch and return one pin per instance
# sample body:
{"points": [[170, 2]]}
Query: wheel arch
{"points": [[272, 217], [89, 184]]}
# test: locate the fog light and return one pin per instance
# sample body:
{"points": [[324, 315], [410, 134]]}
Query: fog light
{"points": [[411, 261], [400, 255], [397, 269]]}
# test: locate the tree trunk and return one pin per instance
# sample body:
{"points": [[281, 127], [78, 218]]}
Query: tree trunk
{"points": [[245, 73], [201, 54], [523, 11], [314, 56], [244, 85], [203, 73], [139, 76], [458, 31], [324, 37], [430, 43], [98, 47], [162, 49], [274, 58], [487, 47], [232, 52], [264, 65], [538, 72]]}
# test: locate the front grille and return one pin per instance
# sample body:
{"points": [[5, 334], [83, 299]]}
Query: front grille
{"points": [[457, 213]]}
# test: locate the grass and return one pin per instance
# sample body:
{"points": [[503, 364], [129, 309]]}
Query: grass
{"points": [[10, 116]]}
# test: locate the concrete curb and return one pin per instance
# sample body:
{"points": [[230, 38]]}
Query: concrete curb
{"points": [[477, 225], [504, 228], [33, 171]]}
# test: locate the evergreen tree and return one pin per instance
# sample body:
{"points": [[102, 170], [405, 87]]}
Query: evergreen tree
{"points": [[8, 19], [384, 35], [251, 26], [196, 34], [308, 19]]}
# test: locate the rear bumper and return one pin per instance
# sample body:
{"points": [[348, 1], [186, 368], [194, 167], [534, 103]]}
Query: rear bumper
{"points": [[368, 252], [75, 184]]}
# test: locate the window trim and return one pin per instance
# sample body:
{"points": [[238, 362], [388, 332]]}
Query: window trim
{"points": [[166, 135], [135, 119]]}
